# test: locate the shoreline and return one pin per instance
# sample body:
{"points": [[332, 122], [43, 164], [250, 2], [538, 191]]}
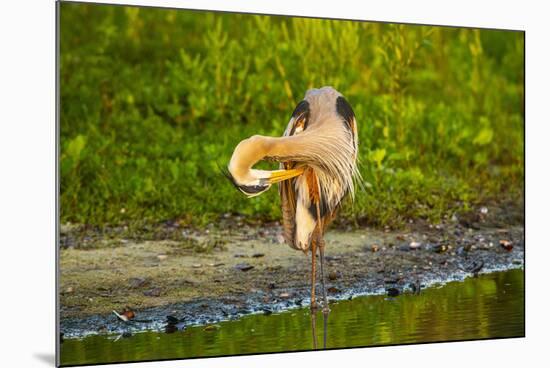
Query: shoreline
{"points": [[247, 274], [160, 324]]}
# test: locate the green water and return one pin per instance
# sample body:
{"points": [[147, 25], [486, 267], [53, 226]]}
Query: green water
{"points": [[485, 307]]}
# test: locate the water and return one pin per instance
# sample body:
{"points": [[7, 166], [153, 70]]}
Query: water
{"points": [[489, 306]]}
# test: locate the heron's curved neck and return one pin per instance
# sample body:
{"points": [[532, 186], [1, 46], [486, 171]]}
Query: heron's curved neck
{"points": [[256, 148]]}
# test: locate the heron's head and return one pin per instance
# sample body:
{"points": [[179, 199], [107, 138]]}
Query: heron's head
{"points": [[253, 182]]}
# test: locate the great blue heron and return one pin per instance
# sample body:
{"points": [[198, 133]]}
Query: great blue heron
{"points": [[317, 155]]}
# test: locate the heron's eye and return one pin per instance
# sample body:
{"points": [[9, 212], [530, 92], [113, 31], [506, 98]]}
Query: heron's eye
{"points": [[301, 117]]}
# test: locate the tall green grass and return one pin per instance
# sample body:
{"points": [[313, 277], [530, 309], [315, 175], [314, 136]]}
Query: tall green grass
{"points": [[153, 100]]}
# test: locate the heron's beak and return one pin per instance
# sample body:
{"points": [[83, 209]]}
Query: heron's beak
{"points": [[281, 175]]}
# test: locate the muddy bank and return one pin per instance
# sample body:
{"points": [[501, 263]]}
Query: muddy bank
{"points": [[211, 276]]}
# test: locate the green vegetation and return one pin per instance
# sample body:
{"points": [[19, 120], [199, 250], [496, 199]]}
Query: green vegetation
{"points": [[153, 100]]}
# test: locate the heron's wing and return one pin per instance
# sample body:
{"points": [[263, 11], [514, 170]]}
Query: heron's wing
{"points": [[288, 206], [287, 190]]}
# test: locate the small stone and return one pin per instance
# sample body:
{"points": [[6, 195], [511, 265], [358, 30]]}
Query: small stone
{"points": [[162, 257], [441, 248], [333, 290], [215, 264], [197, 265], [506, 244], [280, 239], [374, 248], [332, 275], [257, 255], [484, 210], [244, 267], [154, 292], [137, 282], [284, 295], [414, 245], [404, 247], [475, 267], [69, 289], [170, 328], [172, 320], [392, 292]]}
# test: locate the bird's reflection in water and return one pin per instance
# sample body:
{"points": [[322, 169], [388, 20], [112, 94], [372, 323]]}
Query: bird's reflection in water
{"points": [[314, 329]]}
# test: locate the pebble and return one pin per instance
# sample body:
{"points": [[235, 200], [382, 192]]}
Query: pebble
{"points": [[441, 248], [414, 245], [392, 292], [172, 320], [136, 282], [404, 247], [244, 267], [162, 257], [153, 292], [506, 244]]}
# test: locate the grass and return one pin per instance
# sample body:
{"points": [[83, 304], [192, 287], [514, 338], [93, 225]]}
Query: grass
{"points": [[153, 100]]}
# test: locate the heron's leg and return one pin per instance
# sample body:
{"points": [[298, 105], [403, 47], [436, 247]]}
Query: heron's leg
{"points": [[321, 242], [326, 309], [313, 273], [313, 302]]}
